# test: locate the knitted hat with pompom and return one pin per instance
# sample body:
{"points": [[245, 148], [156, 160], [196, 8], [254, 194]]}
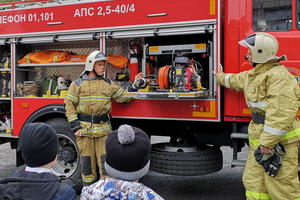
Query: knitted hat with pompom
{"points": [[127, 153]]}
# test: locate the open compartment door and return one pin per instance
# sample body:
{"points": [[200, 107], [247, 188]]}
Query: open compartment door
{"points": [[172, 93]]}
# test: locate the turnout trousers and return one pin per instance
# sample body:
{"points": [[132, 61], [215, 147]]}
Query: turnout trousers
{"points": [[92, 152], [285, 186]]}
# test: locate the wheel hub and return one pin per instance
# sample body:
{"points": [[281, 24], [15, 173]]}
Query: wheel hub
{"points": [[67, 161], [68, 155]]}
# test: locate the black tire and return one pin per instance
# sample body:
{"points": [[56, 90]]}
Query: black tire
{"points": [[204, 161], [68, 159]]}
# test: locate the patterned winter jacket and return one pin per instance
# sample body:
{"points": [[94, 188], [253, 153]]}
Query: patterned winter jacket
{"points": [[114, 189]]}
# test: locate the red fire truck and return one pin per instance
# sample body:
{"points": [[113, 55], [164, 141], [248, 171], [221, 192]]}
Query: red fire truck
{"points": [[179, 101]]}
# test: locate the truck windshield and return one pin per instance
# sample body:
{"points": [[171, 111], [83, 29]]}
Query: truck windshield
{"points": [[272, 15]]}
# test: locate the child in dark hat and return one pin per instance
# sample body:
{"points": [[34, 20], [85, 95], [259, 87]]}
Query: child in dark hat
{"points": [[127, 160], [39, 147]]}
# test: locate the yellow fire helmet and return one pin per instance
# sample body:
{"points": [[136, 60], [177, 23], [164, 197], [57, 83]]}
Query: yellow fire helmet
{"points": [[263, 46], [93, 57]]}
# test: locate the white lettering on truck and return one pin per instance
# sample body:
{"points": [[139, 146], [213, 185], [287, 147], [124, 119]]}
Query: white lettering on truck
{"points": [[12, 19], [29, 17], [105, 10], [84, 12]]}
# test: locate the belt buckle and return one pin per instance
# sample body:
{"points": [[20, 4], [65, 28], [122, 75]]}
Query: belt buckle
{"points": [[101, 120], [92, 121]]}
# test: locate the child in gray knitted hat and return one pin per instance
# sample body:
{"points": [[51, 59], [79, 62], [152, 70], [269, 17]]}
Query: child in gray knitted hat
{"points": [[127, 160]]}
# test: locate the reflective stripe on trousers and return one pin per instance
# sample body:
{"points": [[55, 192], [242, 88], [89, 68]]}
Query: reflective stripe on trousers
{"points": [[260, 196], [89, 179], [257, 195]]}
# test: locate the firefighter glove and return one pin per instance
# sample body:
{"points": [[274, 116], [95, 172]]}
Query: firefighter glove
{"points": [[75, 125], [263, 159], [129, 87], [140, 83], [275, 164]]}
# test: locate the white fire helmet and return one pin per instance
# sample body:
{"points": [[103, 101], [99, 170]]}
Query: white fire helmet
{"points": [[263, 46], [92, 59]]}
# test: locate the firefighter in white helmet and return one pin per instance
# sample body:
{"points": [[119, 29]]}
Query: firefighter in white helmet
{"points": [[88, 104], [272, 94]]}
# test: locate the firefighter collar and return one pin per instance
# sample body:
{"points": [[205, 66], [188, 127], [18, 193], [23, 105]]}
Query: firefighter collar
{"points": [[261, 68], [86, 77]]}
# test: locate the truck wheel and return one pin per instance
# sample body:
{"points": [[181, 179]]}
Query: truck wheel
{"points": [[195, 162], [68, 161]]}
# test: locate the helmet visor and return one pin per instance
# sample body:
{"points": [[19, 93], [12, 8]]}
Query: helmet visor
{"points": [[100, 57], [248, 41]]}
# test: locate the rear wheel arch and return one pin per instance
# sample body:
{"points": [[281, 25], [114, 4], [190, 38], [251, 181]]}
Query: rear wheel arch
{"points": [[47, 112]]}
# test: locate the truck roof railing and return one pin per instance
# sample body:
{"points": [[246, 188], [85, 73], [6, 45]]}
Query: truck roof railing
{"points": [[41, 3]]}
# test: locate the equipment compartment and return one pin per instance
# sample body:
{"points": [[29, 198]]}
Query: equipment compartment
{"points": [[175, 66], [52, 78]]}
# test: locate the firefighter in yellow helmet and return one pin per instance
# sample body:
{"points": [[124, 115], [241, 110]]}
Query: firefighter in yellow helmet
{"points": [[88, 104], [272, 94]]}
